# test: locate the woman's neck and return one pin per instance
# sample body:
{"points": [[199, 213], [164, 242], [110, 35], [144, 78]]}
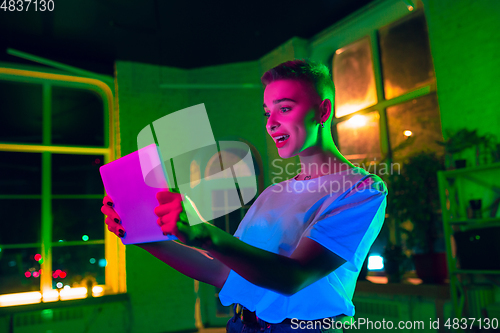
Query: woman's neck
{"points": [[320, 164]]}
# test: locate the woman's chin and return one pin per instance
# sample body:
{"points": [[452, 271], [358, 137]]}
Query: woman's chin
{"points": [[285, 153]]}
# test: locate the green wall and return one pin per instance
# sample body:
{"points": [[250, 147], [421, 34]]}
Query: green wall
{"points": [[465, 48], [464, 43], [163, 299]]}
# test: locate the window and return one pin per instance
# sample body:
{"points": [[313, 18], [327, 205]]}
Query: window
{"points": [[354, 78], [228, 223], [222, 201], [386, 106], [54, 136]]}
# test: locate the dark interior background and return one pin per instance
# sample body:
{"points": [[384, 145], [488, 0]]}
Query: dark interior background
{"points": [[186, 34]]}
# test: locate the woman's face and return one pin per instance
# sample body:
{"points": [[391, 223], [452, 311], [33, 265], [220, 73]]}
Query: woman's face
{"points": [[291, 108]]}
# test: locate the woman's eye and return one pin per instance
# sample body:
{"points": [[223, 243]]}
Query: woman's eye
{"points": [[282, 109]]}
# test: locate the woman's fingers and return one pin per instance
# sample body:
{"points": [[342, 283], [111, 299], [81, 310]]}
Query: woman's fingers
{"points": [[112, 220], [108, 211], [114, 227], [169, 223], [163, 209], [107, 201], [169, 218], [165, 197]]}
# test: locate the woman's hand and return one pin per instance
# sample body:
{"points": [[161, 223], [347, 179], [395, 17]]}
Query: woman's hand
{"points": [[112, 220], [172, 219]]}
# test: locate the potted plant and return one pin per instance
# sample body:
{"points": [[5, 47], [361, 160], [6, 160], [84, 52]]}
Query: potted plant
{"points": [[464, 139], [395, 262], [413, 202]]}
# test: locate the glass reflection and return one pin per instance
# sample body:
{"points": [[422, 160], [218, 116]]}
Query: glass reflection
{"points": [[414, 126], [20, 173], [21, 119], [354, 79], [77, 117], [405, 56], [82, 265], [73, 219], [19, 271], [359, 137], [76, 174], [20, 221]]}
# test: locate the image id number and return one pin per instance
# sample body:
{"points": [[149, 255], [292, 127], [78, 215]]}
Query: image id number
{"points": [[468, 323], [26, 5]]}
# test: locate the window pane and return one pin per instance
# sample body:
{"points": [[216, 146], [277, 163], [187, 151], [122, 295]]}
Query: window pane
{"points": [[80, 263], [76, 174], [405, 55], [77, 117], [221, 310], [21, 116], [74, 218], [234, 221], [421, 117], [20, 173], [219, 222], [359, 137], [354, 78], [19, 271], [20, 221]]}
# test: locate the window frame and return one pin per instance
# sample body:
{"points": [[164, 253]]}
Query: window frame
{"points": [[113, 248], [363, 23], [383, 103], [354, 28]]}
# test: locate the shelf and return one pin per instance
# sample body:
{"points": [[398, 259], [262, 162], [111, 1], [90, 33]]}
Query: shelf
{"points": [[475, 271], [456, 189], [475, 221], [436, 291], [458, 172]]}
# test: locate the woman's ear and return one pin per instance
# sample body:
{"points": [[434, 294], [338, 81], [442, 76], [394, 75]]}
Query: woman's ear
{"points": [[325, 109]]}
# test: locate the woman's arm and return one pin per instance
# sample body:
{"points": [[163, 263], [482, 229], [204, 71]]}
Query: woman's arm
{"points": [[285, 275], [193, 262], [190, 261]]}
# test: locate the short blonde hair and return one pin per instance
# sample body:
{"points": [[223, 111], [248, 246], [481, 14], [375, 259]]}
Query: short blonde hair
{"points": [[304, 70]]}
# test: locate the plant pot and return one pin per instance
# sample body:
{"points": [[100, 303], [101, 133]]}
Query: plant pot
{"points": [[431, 267], [393, 271], [459, 164], [474, 211]]}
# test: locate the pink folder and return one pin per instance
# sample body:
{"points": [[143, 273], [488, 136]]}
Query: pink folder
{"points": [[134, 201]]}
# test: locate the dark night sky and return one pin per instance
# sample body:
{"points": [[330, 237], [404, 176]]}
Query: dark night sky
{"points": [[187, 34]]}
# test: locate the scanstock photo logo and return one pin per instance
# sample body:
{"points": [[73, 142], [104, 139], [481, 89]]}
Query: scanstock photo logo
{"points": [[215, 177]]}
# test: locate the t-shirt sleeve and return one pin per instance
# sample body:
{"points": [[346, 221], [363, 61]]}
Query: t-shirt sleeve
{"points": [[350, 224]]}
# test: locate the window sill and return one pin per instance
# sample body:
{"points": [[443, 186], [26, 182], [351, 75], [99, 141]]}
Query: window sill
{"points": [[8, 310], [435, 291]]}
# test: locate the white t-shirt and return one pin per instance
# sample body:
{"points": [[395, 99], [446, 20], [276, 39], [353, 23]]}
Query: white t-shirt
{"points": [[343, 211]]}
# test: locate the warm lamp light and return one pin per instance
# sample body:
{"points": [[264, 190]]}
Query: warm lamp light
{"points": [[97, 291], [356, 121], [20, 298], [50, 295], [73, 293], [408, 133], [375, 262]]}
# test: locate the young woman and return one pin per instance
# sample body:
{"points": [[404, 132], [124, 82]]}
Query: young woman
{"points": [[294, 260]]}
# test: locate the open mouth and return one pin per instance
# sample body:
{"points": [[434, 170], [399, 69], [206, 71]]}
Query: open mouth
{"points": [[282, 138]]}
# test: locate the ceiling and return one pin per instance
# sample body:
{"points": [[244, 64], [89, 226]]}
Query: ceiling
{"points": [[92, 34]]}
